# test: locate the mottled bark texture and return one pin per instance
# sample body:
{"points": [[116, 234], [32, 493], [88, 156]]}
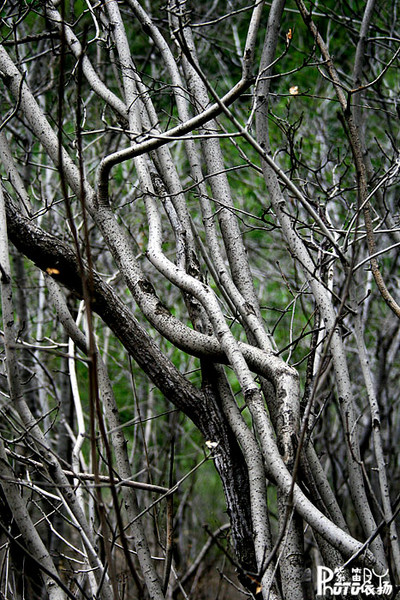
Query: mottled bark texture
{"points": [[201, 406]]}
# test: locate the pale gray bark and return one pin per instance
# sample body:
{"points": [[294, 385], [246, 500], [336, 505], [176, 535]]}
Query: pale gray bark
{"points": [[10, 487], [88, 70], [378, 442], [30, 424], [118, 443], [153, 138], [324, 303], [13, 174], [258, 492], [32, 540]]}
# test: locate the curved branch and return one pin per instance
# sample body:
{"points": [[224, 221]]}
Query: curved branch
{"points": [[45, 250]]}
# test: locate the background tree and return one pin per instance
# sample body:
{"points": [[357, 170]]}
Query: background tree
{"points": [[199, 253]]}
